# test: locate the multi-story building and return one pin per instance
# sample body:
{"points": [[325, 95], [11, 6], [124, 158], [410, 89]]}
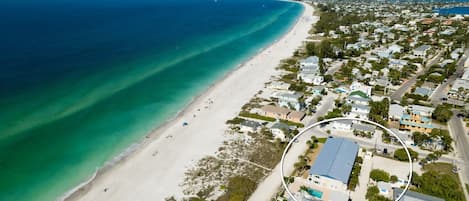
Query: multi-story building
{"points": [[415, 122]]}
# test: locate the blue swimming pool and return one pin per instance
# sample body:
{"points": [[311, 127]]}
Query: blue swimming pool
{"points": [[314, 193]]}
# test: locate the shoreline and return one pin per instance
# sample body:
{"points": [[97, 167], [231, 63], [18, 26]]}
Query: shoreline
{"points": [[157, 134]]}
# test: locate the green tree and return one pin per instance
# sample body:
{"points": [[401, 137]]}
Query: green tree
{"points": [[442, 113], [393, 179], [379, 175], [419, 138], [441, 185], [311, 49], [401, 154]]}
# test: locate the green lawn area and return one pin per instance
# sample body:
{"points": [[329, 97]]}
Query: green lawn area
{"points": [[444, 168], [322, 140], [256, 116]]}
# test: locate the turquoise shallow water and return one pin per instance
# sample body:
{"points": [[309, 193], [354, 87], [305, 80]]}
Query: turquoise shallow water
{"points": [[81, 80]]}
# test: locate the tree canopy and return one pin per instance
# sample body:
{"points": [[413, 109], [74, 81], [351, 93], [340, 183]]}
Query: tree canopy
{"points": [[442, 113], [379, 175], [400, 154]]}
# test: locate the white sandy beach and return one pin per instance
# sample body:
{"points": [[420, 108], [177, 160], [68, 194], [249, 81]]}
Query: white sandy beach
{"points": [[156, 170]]}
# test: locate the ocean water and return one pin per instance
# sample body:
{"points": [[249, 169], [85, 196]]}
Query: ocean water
{"points": [[453, 10], [82, 80]]}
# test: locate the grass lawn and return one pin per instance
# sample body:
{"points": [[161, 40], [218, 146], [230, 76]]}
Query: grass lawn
{"points": [[445, 168], [322, 140]]}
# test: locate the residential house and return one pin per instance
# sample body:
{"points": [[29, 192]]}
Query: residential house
{"points": [[310, 63], [421, 51], [334, 164], [397, 64], [280, 130], [249, 126], [344, 125], [291, 100], [460, 88], [383, 52], [311, 78], [357, 86], [395, 112], [296, 116], [310, 71], [456, 53], [274, 112], [395, 48], [406, 137], [318, 90], [448, 32], [360, 111], [279, 85], [422, 91], [413, 196], [281, 113], [421, 110], [363, 128], [434, 144]]}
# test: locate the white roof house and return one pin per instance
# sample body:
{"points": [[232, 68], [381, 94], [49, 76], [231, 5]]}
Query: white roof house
{"points": [[279, 85], [345, 125], [360, 111], [290, 99], [310, 71], [397, 64], [357, 86], [421, 51], [405, 136], [395, 111], [395, 48], [456, 52], [249, 126], [383, 52], [310, 62], [280, 130], [421, 110], [311, 78]]}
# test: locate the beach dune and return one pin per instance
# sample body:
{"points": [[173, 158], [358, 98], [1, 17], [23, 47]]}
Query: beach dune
{"points": [[156, 169]]}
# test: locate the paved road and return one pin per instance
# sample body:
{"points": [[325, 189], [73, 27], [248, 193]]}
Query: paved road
{"points": [[373, 143], [327, 103], [462, 146], [441, 91], [397, 95]]}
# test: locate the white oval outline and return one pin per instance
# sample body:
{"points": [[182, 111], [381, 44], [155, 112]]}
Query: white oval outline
{"points": [[345, 118]]}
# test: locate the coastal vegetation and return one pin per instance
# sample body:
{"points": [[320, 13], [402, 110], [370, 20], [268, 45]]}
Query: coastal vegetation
{"points": [[372, 194], [401, 154], [379, 175], [357, 167], [439, 180], [442, 113]]}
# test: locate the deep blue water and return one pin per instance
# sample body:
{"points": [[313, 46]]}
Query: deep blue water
{"points": [[453, 10], [82, 80]]}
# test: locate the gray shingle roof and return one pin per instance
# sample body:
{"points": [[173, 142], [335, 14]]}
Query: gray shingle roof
{"points": [[414, 196], [363, 127], [336, 159]]}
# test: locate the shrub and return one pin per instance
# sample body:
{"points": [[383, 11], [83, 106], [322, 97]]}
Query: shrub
{"points": [[379, 175]]}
